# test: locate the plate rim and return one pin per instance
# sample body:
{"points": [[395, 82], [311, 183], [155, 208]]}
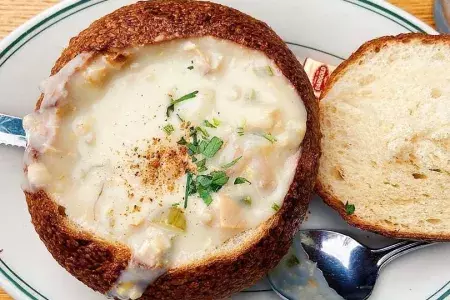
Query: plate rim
{"points": [[11, 282]]}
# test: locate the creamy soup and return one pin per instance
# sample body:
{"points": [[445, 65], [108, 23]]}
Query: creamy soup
{"points": [[171, 149]]}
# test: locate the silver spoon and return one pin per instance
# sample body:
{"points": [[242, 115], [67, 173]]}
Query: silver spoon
{"points": [[351, 269]]}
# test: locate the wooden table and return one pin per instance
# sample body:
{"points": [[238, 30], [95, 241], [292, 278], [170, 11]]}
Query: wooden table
{"points": [[15, 12]]}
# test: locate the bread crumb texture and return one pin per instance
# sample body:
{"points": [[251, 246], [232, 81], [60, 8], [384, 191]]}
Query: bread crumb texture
{"points": [[385, 120]]}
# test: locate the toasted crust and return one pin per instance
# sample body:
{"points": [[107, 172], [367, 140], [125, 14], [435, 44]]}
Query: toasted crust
{"points": [[332, 200], [98, 263]]}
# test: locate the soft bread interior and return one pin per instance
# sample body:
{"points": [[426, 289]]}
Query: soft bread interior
{"points": [[386, 137]]}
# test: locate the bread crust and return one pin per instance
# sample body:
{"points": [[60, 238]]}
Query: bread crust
{"points": [[356, 58], [98, 263]]}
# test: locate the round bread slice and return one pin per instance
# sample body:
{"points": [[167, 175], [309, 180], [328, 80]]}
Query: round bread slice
{"points": [[385, 121], [173, 152]]}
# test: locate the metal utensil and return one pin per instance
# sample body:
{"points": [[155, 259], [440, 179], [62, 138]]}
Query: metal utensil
{"points": [[350, 268], [11, 131]]}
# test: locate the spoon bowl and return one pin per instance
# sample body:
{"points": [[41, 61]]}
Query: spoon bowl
{"points": [[348, 267]]}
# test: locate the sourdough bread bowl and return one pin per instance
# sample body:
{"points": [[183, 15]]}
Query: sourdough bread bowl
{"points": [[385, 122], [172, 153]]}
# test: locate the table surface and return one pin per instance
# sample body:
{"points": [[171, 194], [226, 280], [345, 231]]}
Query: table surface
{"points": [[15, 12]]}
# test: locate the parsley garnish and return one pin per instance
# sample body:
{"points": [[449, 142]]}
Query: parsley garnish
{"points": [[269, 137], [171, 107], [168, 129], [275, 207], [182, 141], [215, 123], [190, 67], [232, 163], [207, 184], [203, 131], [202, 146], [241, 180], [269, 70], [292, 261], [201, 165], [247, 200], [349, 208], [212, 147], [240, 131], [209, 124]]}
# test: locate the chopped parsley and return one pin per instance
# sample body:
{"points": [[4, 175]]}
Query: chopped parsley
{"points": [[269, 70], [168, 129], [275, 207], [247, 200], [171, 107], [204, 185], [349, 208], [190, 67], [201, 165], [232, 163], [212, 147], [240, 131], [182, 141], [292, 261], [203, 131], [214, 124], [269, 137], [241, 180]]}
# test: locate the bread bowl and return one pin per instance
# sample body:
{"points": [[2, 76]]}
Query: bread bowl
{"points": [[385, 120], [99, 135]]}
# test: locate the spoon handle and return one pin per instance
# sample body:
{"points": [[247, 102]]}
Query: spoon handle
{"points": [[387, 254]]}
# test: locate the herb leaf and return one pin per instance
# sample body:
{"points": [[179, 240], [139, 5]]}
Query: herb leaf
{"points": [[232, 163], [168, 129], [349, 208], [212, 147], [292, 261], [171, 107], [202, 146], [215, 123], [240, 131], [209, 124], [241, 180], [190, 67], [219, 178], [275, 207], [269, 137], [201, 165], [204, 180], [182, 141], [203, 131], [206, 196]]}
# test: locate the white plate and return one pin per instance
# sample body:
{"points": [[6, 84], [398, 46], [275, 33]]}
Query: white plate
{"points": [[327, 30]]}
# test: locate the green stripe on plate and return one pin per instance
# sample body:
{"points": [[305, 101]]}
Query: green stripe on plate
{"points": [[389, 12], [17, 285], [33, 28], [17, 276]]}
